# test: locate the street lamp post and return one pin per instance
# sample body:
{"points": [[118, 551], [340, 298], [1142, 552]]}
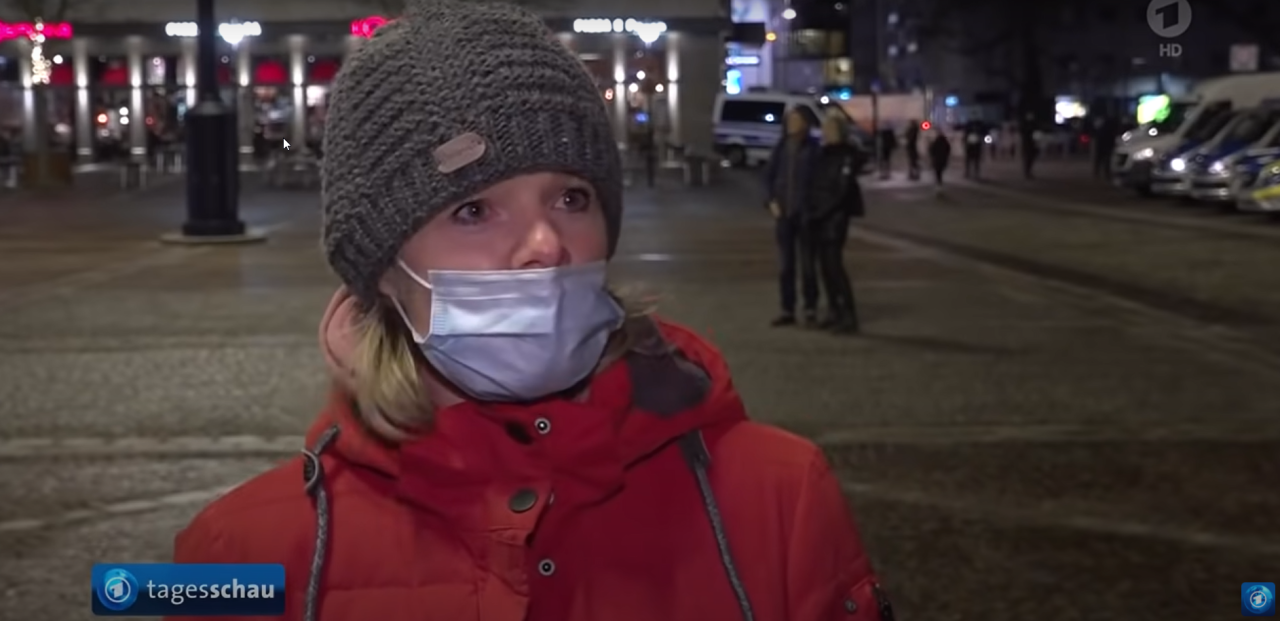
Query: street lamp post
{"points": [[213, 184]]}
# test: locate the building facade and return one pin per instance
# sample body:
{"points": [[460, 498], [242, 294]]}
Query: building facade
{"points": [[812, 47], [117, 75], [1093, 53], [748, 61], [1089, 51], [802, 46]]}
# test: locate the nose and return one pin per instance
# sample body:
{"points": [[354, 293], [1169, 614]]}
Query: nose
{"points": [[542, 247]]}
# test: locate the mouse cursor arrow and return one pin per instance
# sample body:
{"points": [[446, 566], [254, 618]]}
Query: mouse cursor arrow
{"points": [[286, 145]]}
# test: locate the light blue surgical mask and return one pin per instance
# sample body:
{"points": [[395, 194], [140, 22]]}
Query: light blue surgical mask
{"points": [[517, 335]]}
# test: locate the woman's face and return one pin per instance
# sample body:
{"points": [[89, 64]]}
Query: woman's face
{"points": [[832, 131], [536, 220]]}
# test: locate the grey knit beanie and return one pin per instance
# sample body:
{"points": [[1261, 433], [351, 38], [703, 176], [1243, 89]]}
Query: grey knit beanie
{"points": [[441, 104]]}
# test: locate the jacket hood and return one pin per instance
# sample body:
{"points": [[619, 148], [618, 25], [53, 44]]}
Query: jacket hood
{"points": [[669, 384]]}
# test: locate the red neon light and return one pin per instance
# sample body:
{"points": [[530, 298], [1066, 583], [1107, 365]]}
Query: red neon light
{"points": [[270, 72], [322, 71], [926, 125], [28, 31], [365, 27]]}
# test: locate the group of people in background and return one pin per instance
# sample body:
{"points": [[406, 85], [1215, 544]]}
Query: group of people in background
{"points": [[977, 139], [939, 151], [812, 193]]}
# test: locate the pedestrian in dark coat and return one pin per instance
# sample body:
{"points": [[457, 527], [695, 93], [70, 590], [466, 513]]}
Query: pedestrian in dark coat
{"points": [[912, 142], [975, 134], [787, 183], [836, 198], [939, 156]]}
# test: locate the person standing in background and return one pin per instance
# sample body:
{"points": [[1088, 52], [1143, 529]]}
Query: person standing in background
{"points": [[787, 182], [835, 199], [912, 140], [1030, 145], [974, 133], [939, 157], [1106, 129], [888, 144]]}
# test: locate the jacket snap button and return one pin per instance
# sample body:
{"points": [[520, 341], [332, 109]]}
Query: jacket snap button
{"points": [[546, 567], [523, 500], [542, 425], [850, 606]]}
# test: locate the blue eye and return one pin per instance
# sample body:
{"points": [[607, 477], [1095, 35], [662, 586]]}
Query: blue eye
{"points": [[576, 199], [473, 212]]}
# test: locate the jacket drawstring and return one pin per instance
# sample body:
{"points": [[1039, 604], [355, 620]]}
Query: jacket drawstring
{"points": [[692, 445], [694, 448], [313, 483]]}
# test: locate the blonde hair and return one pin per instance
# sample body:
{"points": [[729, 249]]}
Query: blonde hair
{"points": [[388, 387], [833, 129]]}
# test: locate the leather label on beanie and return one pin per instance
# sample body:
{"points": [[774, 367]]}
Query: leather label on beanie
{"points": [[459, 152]]}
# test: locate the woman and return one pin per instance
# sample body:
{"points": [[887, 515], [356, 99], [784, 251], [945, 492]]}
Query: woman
{"points": [[836, 197], [939, 157], [503, 441]]}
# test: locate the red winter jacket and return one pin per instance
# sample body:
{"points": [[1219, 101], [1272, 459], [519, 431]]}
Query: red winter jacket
{"points": [[655, 499]]}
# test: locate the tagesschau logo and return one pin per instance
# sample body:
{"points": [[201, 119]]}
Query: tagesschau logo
{"points": [[1258, 599], [169, 589]]}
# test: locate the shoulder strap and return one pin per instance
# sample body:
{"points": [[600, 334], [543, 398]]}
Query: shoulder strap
{"points": [[694, 448]]}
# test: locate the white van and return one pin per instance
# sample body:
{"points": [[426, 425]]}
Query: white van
{"points": [[747, 126], [1140, 151]]}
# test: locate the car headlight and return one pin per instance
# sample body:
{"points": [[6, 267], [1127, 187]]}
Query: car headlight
{"points": [[1145, 154], [1177, 164], [1218, 168]]}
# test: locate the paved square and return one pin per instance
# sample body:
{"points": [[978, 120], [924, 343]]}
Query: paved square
{"points": [[1057, 411]]}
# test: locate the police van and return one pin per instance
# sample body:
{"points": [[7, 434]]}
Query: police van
{"points": [[1192, 121], [748, 125]]}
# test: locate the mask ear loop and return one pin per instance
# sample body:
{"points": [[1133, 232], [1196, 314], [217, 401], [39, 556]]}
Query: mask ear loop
{"points": [[417, 337]]}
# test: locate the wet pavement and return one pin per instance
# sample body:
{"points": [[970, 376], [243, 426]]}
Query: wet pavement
{"points": [[1063, 406]]}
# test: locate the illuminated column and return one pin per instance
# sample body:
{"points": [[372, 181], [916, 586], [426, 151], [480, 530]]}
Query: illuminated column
{"points": [[297, 77], [695, 70], [187, 69], [620, 87], [675, 134], [84, 111], [137, 112], [244, 97], [29, 135]]}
